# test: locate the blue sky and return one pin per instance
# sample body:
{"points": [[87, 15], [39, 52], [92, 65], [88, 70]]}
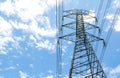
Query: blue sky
{"points": [[28, 38]]}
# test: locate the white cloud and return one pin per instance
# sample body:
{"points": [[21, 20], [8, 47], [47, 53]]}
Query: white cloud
{"points": [[50, 76], [27, 11], [46, 31], [24, 8], [5, 27], [64, 49], [117, 26], [51, 3], [112, 72], [5, 35], [7, 7], [43, 75], [32, 22], [69, 42], [23, 74], [109, 16], [66, 76], [45, 44], [50, 71], [63, 64], [33, 38], [116, 3], [8, 68], [90, 18], [115, 71]]}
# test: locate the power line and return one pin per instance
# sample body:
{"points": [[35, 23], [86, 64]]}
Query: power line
{"points": [[100, 8], [56, 44], [110, 32], [103, 21], [59, 41], [105, 13]]}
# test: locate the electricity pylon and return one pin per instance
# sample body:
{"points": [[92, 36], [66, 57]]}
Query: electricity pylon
{"points": [[85, 63]]}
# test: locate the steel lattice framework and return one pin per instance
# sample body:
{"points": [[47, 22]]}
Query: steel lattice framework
{"points": [[85, 63]]}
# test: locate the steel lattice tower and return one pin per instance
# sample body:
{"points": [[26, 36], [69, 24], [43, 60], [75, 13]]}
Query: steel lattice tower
{"points": [[85, 63]]}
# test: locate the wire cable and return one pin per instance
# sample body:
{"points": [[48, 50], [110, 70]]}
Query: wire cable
{"points": [[99, 8], [117, 13], [105, 13], [103, 21]]}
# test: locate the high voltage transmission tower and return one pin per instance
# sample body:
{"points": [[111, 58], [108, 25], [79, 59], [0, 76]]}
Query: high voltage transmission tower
{"points": [[76, 26], [85, 63]]}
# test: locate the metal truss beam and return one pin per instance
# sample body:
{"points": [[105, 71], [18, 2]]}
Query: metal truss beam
{"points": [[85, 63]]}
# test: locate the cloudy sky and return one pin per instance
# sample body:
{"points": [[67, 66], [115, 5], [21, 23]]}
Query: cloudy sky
{"points": [[28, 38]]}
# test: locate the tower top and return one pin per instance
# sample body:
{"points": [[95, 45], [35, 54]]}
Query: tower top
{"points": [[72, 13]]}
